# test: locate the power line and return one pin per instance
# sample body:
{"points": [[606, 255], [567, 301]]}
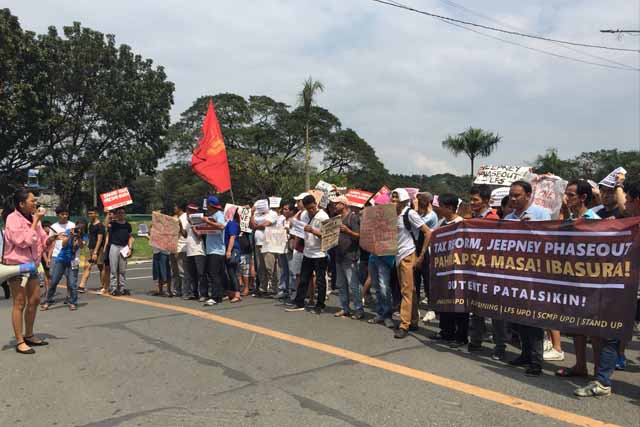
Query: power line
{"points": [[500, 30], [472, 12]]}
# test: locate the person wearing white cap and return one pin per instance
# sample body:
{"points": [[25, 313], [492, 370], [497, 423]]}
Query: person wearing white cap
{"points": [[409, 224]]}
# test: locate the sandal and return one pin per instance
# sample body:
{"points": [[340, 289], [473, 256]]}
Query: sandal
{"points": [[570, 372], [44, 307], [342, 313], [81, 290], [28, 341], [236, 299], [73, 307], [30, 351]]}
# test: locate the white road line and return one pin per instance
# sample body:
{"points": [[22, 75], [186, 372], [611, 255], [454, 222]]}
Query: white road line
{"points": [[141, 277]]}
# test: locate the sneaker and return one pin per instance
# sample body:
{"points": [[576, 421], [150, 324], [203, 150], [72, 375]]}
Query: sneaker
{"points": [[431, 315], [473, 347], [115, 293], [548, 345], [202, 299], [317, 310], [519, 361], [210, 302], [553, 354], [377, 320], [389, 323], [102, 292], [401, 333], [293, 308], [281, 295], [594, 388], [290, 304], [498, 354], [396, 315], [533, 372], [621, 363], [126, 292]]}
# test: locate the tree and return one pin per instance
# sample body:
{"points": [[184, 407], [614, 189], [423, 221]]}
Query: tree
{"points": [[472, 142], [551, 163], [306, 100]]}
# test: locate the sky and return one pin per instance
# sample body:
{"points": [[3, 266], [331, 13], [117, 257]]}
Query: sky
{"points": [[403, 81]]}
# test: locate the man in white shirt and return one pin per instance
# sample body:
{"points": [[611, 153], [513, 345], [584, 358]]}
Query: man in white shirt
{"points": [[260, 220], [178, 259], [195, 261], [313, 260], [409, 225]]}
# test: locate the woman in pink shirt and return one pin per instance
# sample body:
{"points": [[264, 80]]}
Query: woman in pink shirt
{"points": [[24, 241]]}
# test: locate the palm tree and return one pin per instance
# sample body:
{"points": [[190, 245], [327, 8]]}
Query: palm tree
{"points": [[306, 99], [472, 142]]}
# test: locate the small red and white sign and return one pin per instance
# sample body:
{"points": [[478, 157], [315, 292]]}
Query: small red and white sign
{"points": [[116, 199], [358, 198]]}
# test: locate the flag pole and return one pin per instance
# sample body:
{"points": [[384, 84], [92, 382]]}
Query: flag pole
{"points": [[232, 199]]}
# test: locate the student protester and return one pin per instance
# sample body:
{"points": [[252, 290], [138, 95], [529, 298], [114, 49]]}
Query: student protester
{"points": [[246, 269], [58, 229], [260, 220], [195, 262], [295, 264], [105, 275], [66, 263], [232, 257], [177, 260], [24, 242], [287, 280], [424, 206], [213, 287], [520, 200], [454, 327], [347, 256], [480, 199], [409, 223], [120, 240], [313, 260], [95, 246], [578, 195]]}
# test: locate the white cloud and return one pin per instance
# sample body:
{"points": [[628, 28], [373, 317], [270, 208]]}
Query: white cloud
{"points": [[401, 80]]}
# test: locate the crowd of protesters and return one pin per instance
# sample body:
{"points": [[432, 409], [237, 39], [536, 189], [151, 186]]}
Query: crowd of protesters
{"points": [[231, 261]]}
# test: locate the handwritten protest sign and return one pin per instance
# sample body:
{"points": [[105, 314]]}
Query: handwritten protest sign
{"points": [[378, 230], [245, 218], [116, 199], [274, 202], [497, 195], [613, 178], [548, 192], [262, 206], [358, 198], [230, 211], [580, 277], [324, 186], [297, 228], [275, 239], [196, 218], [330, 231], [500, 175], [165, 231]]}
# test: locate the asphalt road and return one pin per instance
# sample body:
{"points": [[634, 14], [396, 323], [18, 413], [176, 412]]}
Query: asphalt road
{"points": [[151, 361]]}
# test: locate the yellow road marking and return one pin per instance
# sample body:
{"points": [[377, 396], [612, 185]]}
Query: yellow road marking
{"points": [[479, 392]]}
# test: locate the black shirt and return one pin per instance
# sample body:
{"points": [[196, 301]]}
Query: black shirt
{"points": [[348, 247], [119, 233], [605, 213], [94, 231]]}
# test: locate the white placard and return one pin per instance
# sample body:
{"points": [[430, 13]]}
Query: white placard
{"points": [[262, 206], [274, 202], [501, 175], [297, 228], [611, 179]]}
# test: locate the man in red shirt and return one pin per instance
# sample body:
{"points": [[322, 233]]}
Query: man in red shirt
{"points": [[480, 198]]}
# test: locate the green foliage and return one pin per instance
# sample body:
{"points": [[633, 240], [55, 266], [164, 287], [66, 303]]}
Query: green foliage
{"points": [[88, 102], [473, 142], [593, 165]]}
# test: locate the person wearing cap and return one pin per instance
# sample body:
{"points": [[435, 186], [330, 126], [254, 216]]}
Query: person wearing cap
{"points": [[215, 250], [261, 218], [347, 255], [314, 260], [409, 223], [195, 263]]}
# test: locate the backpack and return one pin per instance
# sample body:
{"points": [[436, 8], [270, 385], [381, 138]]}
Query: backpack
{"points": [[407, 225]]}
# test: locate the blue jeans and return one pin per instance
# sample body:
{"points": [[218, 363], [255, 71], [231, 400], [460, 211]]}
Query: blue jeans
{"points": [[349, 286], [285, 276], [380, 274], [59, 269], [608, 358]]}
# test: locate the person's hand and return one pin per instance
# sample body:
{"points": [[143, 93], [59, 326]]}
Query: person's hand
{"points": [[620, 177], [308, 229], [227, 256], [40, 213], [61, 236], [344, 229], [419, 261], [94, 257], [130, 252]]}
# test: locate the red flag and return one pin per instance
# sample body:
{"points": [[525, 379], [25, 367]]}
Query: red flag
{"points": [[209, 160]]}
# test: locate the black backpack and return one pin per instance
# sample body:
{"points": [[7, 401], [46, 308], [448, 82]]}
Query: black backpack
{"points": [[407, 225]]}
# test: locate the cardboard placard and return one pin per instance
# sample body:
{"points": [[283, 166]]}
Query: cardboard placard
{"points": [[379, 231], [330, 230], [165, 231], [501, 175], [548, 192], [358, 198], [275, 240], [245, 218], [274, 202], [116, 199], [230, 211]]}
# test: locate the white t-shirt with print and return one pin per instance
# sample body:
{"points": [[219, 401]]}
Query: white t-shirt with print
{"points": [[270, 216], [405, 240], [59, 228], [311, 241], [182, 241], [194, 244]]}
